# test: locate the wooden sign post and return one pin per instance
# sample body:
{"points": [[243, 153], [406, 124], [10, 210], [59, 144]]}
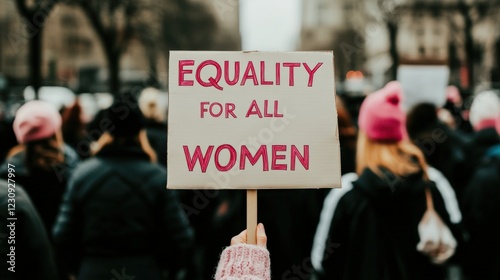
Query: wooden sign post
{"points": [[251, 216], [252, 120]]}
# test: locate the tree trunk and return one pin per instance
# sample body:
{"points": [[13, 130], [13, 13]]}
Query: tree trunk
{"points": [[114, 72], [495, 76], [393, 51], [35, 49], [153, 70], [469, 43]]}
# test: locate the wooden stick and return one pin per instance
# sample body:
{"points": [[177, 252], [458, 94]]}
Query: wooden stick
{"points": [[251, 216]]}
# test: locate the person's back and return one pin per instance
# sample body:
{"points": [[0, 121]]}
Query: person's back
{"points": [[481, 212], [375, 227], [382, 229], [117, 211], [25, 249], [43, 162], [483, 113]]}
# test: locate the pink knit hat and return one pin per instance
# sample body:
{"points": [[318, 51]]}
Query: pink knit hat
{"points": [[381, 116], [36, 120]]}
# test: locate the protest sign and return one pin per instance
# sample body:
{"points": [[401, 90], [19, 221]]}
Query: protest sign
{"points": [[252, 120], [423, 84]]}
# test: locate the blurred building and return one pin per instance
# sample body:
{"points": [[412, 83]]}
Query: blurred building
{"points": [[73, 55], [228, 19], [366, 35]]}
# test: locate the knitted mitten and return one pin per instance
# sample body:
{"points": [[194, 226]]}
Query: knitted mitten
{"points": [[244, 262]]}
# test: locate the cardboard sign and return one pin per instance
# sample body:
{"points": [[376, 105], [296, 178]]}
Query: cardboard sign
{"points": [[423, 83], [252, 120]]}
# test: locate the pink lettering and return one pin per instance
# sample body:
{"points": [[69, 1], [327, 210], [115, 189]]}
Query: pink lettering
{"points": [[276, 157], [278, 77], [247, 75], [311, 72], [232, 157], [182, 71], [276, 114], [211, 81], [203, 109], [230, 110], [291, 66], [254, 110], [263, 74], [236, 73], [303, 159], [261, 152], [198, 156]]}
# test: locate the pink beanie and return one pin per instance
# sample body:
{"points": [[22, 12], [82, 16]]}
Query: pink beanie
{"points": [[36, 120], [381, 116]]}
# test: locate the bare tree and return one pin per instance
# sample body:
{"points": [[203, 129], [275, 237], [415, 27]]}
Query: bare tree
{"points": [[188, 25], [35, 14], [115, 23]]}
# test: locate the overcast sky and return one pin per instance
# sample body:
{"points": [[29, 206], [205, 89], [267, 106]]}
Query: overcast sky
{"points": [[270, 25]]}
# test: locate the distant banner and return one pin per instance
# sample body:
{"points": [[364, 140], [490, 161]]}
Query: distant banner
{"points": [[252, 120], [423, 84]]}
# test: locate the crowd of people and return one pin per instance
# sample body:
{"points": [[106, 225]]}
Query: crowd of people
{"points": [[419, 199]]}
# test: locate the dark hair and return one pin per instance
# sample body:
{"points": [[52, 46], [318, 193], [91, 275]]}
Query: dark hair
{"points": [[347, 131], [72, 124], [421, 118], [43, 154]]}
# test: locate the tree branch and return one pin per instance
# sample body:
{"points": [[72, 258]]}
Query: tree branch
{"points": [[23, 9], [96, 22]]}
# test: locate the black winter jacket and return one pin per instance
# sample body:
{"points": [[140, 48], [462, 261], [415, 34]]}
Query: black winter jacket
{"points": [[45, 189], [481, 216], [32, 257], [374, 231], [117, 205]]}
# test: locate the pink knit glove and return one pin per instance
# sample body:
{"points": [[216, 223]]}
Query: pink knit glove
{"points": [[244, 262]]}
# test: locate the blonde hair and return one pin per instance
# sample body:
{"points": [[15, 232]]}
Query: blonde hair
{"points": [[107, 139], [150, 105], [401, 158]]}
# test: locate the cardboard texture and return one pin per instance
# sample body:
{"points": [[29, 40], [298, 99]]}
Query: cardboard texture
{"points": [[252, 120]]}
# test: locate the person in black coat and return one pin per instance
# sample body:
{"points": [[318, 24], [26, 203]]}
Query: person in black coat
{"points": [[483, 113], [43, 162], [375, 228], [33, 255], [117, 216], [481, 213], [442, 147]]}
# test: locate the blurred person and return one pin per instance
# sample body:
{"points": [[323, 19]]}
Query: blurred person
{"points": [[42, 160], [73, 126], [455, 106], [8, 137], [347, 138], [381, 228], [245, 261], [483, 113], [481, 213], [442, 147], [117, 215], [156, 126], [33, 255]]}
